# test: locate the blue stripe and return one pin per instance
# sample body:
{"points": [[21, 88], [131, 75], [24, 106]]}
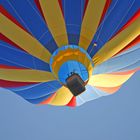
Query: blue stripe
{"points": [[6, 62], [118, 14], [38, 100], [131, 67], [34, 101], [73, 12], [37, 90], [16, 57], [125, 61]]}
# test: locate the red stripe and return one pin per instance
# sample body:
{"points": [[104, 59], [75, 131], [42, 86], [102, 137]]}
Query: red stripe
{"points": [[108, 2], [4, 83], [7, 84], [39, 8], [10, 67], [85, 7], [130, 21], [130, 45], [72, 102], [5, 12], [61, 7]]}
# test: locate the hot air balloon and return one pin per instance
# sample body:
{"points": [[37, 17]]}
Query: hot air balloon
{"points": [[68, 52]]}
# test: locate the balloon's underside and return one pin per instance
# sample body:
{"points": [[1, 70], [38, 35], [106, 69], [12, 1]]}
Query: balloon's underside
{"points": [[43, 43]]}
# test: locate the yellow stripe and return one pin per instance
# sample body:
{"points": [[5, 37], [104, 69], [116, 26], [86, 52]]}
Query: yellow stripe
{"points": [[108, 80], [26, 75], [55, 21], [117, 43], [90, 22], [63, 96], [23, 39]]}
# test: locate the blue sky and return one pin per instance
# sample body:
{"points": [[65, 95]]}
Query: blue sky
{"points": [[115, 117]]}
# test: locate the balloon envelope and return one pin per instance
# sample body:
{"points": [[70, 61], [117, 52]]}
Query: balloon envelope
{"points": [[43, 42]]}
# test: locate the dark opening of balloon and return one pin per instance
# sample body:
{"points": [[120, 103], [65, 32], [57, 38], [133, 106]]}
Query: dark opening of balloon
{"points": [[75, 84]]}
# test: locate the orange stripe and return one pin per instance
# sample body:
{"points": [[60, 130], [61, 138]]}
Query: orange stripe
{"points": [[48, 100], [126, 72], [109, 90]]}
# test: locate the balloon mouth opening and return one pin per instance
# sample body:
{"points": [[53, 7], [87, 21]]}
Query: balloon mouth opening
{"points": [[72, 66]]}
